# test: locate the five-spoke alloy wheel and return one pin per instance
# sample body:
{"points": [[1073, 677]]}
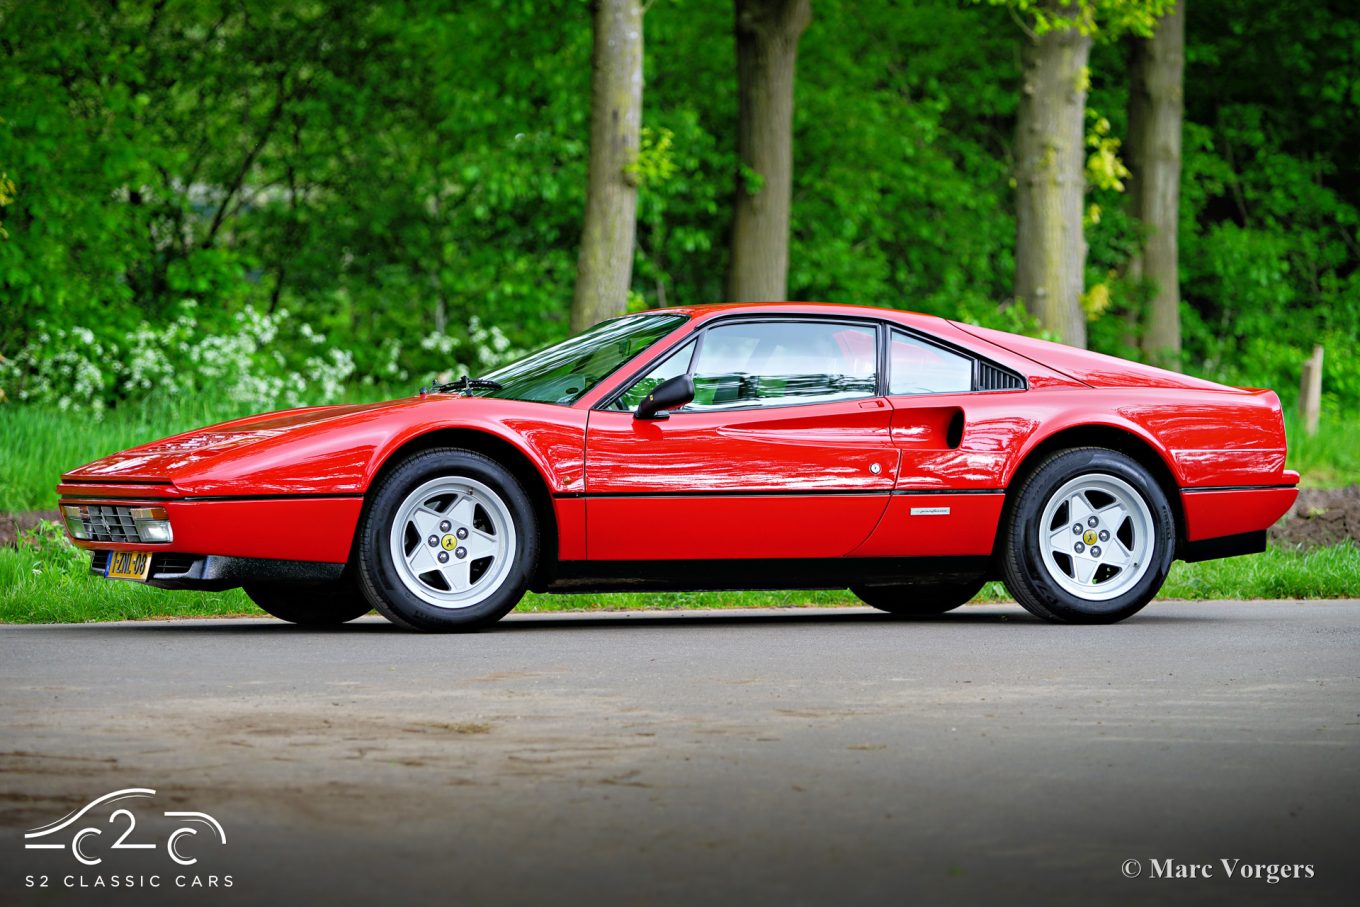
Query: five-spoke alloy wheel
{"points": [[453, 540], [1090, 537], [447, 542]]}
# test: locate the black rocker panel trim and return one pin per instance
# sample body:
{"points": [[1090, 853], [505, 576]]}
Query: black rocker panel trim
{"points": [[780, 573]]}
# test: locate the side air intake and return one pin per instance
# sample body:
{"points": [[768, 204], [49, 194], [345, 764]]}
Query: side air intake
{"points": [[995, 378]]}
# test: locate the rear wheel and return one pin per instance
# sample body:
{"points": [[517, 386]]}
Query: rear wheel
{"points": [[448, 542], [919, 600], [311, 604], [1090, 539]]}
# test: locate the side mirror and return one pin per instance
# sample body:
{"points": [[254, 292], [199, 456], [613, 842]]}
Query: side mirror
{"points": [[672, 393]]}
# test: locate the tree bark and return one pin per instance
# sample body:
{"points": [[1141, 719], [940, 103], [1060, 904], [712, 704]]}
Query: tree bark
{"points": [[767, 33], [1156, 102], [1050, 249], [604, 269]]}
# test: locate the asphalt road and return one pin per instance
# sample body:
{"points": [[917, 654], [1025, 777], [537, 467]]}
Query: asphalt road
{"points": [[806, 756]]}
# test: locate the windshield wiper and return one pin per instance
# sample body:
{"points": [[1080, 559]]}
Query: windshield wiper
{"points": [[463, 384]]}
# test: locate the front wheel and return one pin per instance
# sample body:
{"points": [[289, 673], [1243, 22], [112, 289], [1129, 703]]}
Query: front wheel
{"points": [[311, 604], [1090, 538], [920, 600], [448, 542]]}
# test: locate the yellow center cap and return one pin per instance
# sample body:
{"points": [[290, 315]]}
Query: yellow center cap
{"points": [[1089, 538], [449, 542]]}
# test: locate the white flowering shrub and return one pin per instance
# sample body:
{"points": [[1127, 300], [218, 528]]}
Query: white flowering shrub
{"points": [[482, 348], [258, 359], [261, 360]]}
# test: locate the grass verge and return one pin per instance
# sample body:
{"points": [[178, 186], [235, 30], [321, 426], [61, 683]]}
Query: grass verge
{"points": [[1328, 459], [39, 443], [46, 580]]}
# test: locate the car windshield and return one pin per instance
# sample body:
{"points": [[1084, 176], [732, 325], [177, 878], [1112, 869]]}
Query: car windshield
{"points": [[563, 373]]}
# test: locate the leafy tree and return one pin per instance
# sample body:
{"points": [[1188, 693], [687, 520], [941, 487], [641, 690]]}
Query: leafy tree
{"points": [[605, 267], [1050, 247], [1156, 73], [767, 33]]}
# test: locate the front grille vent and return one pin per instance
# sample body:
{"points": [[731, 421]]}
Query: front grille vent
{"points": [[106, 523], [172, 564], [995, 378]]}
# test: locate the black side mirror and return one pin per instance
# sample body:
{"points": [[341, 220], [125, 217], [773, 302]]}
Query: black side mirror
{"points": [[672, 393]]}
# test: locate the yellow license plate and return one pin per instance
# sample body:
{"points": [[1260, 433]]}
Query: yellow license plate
{"points": [[128, 565]]}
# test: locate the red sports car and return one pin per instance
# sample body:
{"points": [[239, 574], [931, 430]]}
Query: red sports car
{"points": [[908, 457]]}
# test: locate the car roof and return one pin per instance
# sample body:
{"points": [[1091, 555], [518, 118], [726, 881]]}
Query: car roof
{"points": [[703, 313]]}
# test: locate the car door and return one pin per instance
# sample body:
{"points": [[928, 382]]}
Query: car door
{"points": [[948, 498], [784, 453]]}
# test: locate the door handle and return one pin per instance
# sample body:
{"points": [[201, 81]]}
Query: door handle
{"points": [[872, 404]]}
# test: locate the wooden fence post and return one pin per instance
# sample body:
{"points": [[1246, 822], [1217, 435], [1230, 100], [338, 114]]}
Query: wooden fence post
{"points": [[1310, 392]]}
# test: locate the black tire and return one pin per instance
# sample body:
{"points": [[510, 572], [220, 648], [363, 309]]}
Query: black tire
{"points": [[311, 604], [1026, 575], [378, 574], [920, 600]]}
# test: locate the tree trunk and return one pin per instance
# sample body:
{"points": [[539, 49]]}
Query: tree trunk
{"points": [[1154, 154], [604, 269], [767, 34], [1050, 250]]}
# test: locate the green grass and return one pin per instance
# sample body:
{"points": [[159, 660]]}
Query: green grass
{"points": [[46, 580], [40, 443], [37, 444], [1329, 459]]}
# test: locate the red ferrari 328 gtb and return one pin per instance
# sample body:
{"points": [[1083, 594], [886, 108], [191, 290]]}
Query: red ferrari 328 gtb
{"points": [[908, 457]]}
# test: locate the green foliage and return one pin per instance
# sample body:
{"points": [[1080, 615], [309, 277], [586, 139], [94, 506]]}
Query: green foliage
{"points": [[1107, 18], [655, 164], [7, 190], [1104, 168], [408, 181]]}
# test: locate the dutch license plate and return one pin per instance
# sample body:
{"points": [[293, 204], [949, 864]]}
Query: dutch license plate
{"points": [[134, 565]]}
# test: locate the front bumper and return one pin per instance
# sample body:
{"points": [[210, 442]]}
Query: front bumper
{"points": [[290, 528], [212, 572]]}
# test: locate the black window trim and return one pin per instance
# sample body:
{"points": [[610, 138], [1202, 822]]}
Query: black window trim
{"points": [[883, 337], [746, 318]]}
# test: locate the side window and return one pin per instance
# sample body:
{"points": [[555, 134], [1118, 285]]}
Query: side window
{"points": [[779, 363], [677, 363], [917, 367]]}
